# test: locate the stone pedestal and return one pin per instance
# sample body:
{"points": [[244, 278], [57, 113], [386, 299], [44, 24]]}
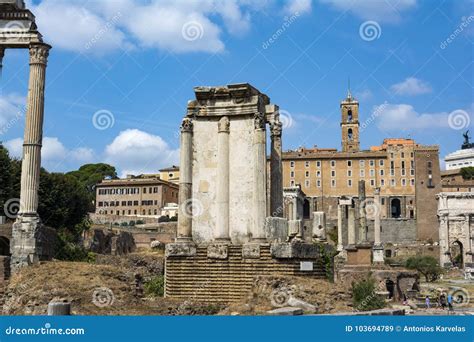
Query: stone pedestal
{"points": [[319, 225], [378, 252]]}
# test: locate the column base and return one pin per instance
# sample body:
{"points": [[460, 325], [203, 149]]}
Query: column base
{"points": [[31, 242], [180, 248], [378, 256]]}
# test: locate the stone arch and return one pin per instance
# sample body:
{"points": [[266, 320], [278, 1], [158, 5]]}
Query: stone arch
{"points": [[390, 287], [395, 208], [456, 250]]}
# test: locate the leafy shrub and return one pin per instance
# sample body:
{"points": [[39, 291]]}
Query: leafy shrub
{"points": [[426, 265], [131, 223], [364, 295], [124, 224], [174, 219], [140, 222], [163, 219], [155, 287]]}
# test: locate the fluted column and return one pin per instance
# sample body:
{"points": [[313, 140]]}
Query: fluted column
{"points": [[185, 182], [222, 229], [340, 246], [362, 213], [31, 164], [276, 177], [259, 193]]}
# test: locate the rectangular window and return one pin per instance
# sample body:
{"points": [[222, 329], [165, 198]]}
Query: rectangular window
{"points": [[381, 172], [292, 183], [362, 173], [349, 182], [403, 172], [404, 182], [292, 174], [318, 183], [392, 172], [412, 182], [318, 163], [306, 164], [349, 163], [333, 163], [349, 173], [403, 154], [371, 163], [382, 182], [361, 163], [391, 155], [412, 154], [292, 164], [333, 183], [381, 162], [333, 173], [393, 182], [144, 190], [318, 173], [372, 182], [412, 172], [306, 183], [372, 172]]}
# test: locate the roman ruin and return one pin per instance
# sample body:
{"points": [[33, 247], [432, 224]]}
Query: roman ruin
{"points": [[30, 240]]}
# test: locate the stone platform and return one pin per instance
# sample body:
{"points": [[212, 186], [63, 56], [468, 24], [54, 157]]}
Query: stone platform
{"points": [[227, 274]]}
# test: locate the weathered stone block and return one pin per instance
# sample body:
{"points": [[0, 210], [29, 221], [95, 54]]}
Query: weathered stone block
{"points": [[180, 249], [251, 251], [276, 229], [217, 251], [287, 311], [295, 227], [299, 250]]}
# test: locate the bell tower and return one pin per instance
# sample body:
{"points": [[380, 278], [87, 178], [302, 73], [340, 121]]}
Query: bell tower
{"points": [[350, 123]]}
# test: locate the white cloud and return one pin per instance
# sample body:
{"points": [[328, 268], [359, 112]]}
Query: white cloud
{"points": [[177, 26], [404, 116], [411, 86], [12, 107], [364, 94], [136, 152], [298, 6], [54, 155], [389, 11]]}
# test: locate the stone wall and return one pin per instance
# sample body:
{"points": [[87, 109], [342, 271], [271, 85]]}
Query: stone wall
{"points": [[200, 278], [111, 219], [102, 241]]}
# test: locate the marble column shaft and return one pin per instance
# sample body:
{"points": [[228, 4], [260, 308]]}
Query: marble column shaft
{"points": [[340, 245], [351, 226], [276, 175], [362, 213], [185, 182], [377, 206], [31, 163], [444, 240], [222, 229], [260, 184]]}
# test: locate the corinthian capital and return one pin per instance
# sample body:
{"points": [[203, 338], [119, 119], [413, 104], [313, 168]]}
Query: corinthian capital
{"points": [[186, 125], [39, 53], [276, 129], [259, 121]]}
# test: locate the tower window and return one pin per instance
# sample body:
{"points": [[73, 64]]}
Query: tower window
{"points": [[349, 115], [349, 134]]}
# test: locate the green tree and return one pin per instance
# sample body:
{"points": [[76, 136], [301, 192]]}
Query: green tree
{"points": [[6, 191], [467, 172], [426, 265], [364, 295]]}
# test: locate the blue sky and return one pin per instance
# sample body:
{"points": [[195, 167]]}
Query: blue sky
{"points": [[121, 72]]}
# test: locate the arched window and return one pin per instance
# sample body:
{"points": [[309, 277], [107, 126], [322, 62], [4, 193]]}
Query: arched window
{"points": [[349, 134], [396, 208], [349, 115]]}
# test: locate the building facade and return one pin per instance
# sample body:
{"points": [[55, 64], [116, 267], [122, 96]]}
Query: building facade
{"points": [[135, 196], [407, 174]]}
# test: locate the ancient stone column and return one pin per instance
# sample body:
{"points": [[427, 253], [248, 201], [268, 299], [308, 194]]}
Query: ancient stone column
{"points": [[222, 229], [378, 248], [340, 246], [276, 176], [362, 213], [351, 227], [184, 233], [260, 192], [444, 241], [33, 137]]}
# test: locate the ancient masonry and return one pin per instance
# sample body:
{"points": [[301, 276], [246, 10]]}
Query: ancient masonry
{"points": [[30, 240], [227, 234]]}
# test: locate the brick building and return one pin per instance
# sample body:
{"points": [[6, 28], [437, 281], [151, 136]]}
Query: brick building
{"points": [[135, 196], [407, 174]]}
